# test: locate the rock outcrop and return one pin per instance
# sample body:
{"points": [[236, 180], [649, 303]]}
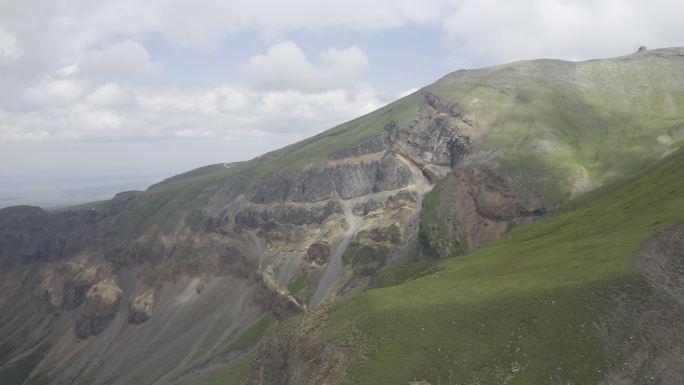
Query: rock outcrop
{"points": [[292, 359], [319, 252], [436, 141], [140, 309], [472, 206], [100, 306], [268, 217], [345, 181], [64, 286], [652, 320]]}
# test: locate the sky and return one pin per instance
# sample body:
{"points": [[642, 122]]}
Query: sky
{"points": [[102, 96]]}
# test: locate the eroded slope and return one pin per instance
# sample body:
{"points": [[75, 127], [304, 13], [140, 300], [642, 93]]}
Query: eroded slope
{"points": [[590, 296]]}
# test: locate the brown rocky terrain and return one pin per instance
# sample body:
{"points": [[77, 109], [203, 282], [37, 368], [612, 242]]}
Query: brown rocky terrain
{"points": [[476, 205], [96, 287], [645, 335]]}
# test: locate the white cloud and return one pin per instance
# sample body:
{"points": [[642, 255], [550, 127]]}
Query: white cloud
{"points": [[285, 66], [407, 92], [231, 111], [109, 95], [195, 133], [8, 46], [93, 122], [65, 109], [67, 70], [58, 33], [495, 29], [60, 92], [76, 74], [501, 30], [10, 133], [120, 60]]}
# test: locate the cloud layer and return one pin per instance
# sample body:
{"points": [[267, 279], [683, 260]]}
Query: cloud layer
{"points": [[69, 108], [285, 66], [82, 70]]}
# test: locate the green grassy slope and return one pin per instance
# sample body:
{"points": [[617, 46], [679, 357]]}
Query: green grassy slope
{"points": [[234, 374], [311, 150], [180, 196], [559, 123], [250, 337], [556, 127], [520, 310], [28, 232]]}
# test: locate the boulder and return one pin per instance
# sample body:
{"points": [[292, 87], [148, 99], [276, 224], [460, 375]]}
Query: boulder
{"points": [[140, 310], [319, 253], [99, 308]]}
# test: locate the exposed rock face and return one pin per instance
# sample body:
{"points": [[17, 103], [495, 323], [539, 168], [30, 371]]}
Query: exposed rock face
{"points": [[296, 217], [363, 208], [390, 234], [292, 358], [278, 364], [99, 308], [662, 263], [64, 286], [271, 297], [283, 305], [140, 309], [435, 140], [319, 253], [193, 255], [253, 236], [268, 217], [473, 206], [345, 181], [366, 147], [653, 321], [31, 234], [390, 203]]}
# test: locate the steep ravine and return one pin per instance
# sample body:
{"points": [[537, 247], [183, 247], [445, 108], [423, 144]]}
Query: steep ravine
{"points": [[334, 266]]}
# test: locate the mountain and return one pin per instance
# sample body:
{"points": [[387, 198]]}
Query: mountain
{"points": [[573, 166], [594, 295]]}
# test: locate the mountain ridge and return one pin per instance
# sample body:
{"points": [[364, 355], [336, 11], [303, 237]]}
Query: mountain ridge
{"points": [[198, 258]]}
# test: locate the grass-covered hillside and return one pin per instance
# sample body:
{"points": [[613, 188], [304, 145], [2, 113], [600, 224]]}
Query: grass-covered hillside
{"points": [[556, 128], [563, 127], [525, 309]]}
